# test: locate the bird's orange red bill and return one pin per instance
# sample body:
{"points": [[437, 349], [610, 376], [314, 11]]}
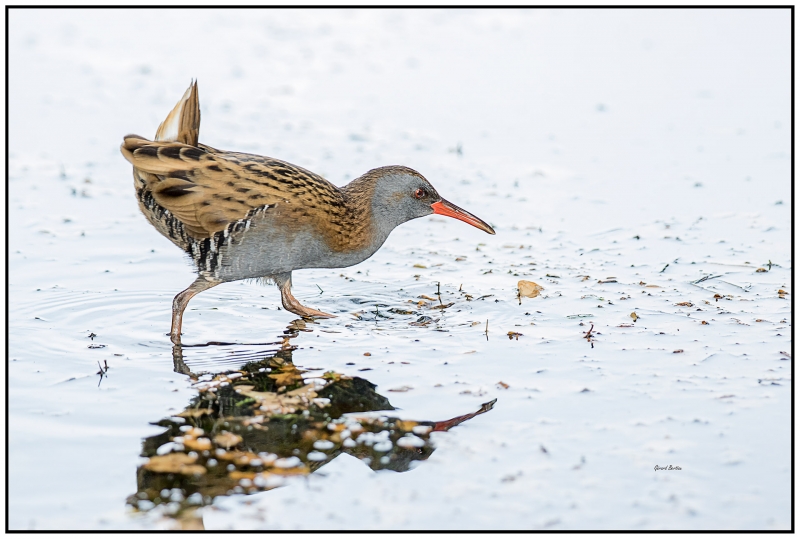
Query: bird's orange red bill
{"points": [[449, 209]]}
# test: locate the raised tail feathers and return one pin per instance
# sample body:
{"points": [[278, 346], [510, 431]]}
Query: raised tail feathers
{"points": [[183, 122]]}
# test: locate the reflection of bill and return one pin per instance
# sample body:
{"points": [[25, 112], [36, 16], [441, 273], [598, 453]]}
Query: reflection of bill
{"points": [[248, 429]]}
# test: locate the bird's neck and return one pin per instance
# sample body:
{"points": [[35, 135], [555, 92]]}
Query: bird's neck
{"points": [[370, 215]]}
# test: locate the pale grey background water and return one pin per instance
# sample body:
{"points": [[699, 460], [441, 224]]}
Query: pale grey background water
{"points": [[600, 143]]}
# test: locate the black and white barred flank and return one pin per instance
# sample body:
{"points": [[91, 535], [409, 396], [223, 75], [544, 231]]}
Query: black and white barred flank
{"points": [[207, 252]]}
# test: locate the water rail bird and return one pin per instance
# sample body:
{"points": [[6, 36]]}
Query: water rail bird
{"points": [[245, 216]]}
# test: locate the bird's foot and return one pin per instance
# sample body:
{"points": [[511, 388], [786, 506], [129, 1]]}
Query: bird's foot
{"points": [[291, 304], [307, 312], [313, 313]]}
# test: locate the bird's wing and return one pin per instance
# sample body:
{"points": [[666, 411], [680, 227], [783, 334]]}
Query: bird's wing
{"points": [[207, 189]]}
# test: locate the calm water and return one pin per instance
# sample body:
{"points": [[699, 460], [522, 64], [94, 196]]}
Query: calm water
{"points": [[630, 161]]}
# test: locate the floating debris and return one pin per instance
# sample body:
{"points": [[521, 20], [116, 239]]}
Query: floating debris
{"points": [[589, 336], [423, 321], [527, 289]]}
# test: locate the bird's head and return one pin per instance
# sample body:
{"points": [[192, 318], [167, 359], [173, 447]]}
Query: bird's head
{"points": [[401, 194]]}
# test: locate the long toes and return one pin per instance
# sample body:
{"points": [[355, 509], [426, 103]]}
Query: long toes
{"points": [[313, 313]]}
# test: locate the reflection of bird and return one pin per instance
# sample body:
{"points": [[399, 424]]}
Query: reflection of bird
{"points": [[242, 421], [244, 216]]}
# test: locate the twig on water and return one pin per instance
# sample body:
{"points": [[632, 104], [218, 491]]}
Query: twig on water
{"points": [[103, 371], [588, 336], [703, 278]]}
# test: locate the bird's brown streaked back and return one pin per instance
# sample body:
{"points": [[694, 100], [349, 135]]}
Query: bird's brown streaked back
{"points": [[206, 189]]}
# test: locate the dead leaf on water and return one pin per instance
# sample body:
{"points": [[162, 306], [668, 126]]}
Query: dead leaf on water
{"points": [[332, 376], [227, 439], [761, 270], [236, 475], [514, 335], [529, 289], [684, 304], [195, 412], [401, 389], [405, 425], [199, 444], [634, 316], [286, 378], [782, 292], [193, 469], [297, 470], [503, 385], [678, 351], [420, 266], [235, 456], [175, 463]]}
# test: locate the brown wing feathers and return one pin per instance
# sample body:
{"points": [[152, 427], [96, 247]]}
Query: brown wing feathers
{"points": [[206, 189]]}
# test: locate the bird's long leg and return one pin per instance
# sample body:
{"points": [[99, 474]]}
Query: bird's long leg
{"points": [[290, 303], [180, 302]]}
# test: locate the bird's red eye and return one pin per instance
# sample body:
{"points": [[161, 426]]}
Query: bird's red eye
{"points": [[419, 193]]}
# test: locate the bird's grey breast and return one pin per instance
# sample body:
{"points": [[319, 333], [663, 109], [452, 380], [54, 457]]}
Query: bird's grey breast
{"points": [[267, 242]]}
